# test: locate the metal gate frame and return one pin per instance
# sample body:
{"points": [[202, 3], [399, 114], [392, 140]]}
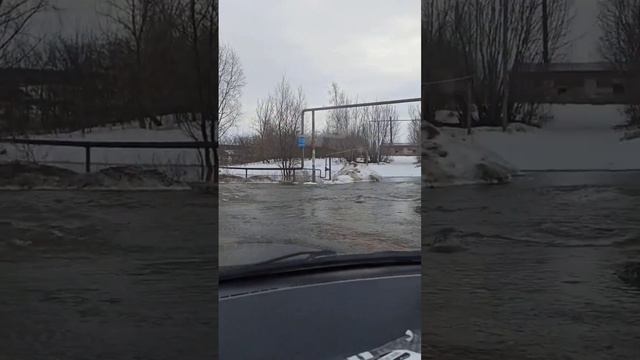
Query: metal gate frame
{"points": [[324, 108]]}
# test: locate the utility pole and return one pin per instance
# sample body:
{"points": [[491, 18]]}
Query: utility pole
{"points": [[469, 96], [477, 31], [476, 59], [545, 32], [313, 146], [505, 69], [302, 134]]}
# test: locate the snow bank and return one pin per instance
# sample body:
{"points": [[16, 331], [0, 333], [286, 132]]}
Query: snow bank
{"points": [[455, 158], [354, 172], [62, 154], [398, 166], [580, 137], [20, 175], [176, 161], [341, 171], [555, 149]]}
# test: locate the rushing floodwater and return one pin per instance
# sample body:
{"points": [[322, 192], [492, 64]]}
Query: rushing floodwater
{"points": [[537, 278], [107, 275], [349, 218], [95, 275]]}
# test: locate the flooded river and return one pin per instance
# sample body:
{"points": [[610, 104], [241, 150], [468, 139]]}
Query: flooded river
{"points": [[131, 275], [100, 275], [536, 274], [107, 275], [347, 218]]}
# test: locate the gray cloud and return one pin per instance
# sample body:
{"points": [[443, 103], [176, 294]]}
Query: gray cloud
{"points": [[370, 47]]}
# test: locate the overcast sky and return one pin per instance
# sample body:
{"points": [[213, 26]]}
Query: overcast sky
{"points": [[370, 47]]}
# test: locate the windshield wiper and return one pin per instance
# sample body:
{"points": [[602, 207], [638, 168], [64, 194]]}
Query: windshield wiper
{"points": [[309, 255], [321, 260]]}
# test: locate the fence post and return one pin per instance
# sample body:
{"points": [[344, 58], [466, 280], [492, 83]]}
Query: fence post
{"points": [[294, 175], [87, 159], [469, 97], [246, 174]]}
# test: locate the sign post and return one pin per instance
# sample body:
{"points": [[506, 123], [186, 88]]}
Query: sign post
{"points": [[302, 135], [313, 146]]}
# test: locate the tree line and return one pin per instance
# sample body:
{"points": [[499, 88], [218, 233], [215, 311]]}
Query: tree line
{"points": [[351, 133], [151, 59], [465, 38]]}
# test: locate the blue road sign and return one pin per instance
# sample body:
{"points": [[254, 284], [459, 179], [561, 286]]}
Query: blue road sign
{"points": [[301, 142]]}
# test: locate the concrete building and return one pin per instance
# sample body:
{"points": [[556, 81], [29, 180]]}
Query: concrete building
{"points": [[574, 83], [400, 150]]}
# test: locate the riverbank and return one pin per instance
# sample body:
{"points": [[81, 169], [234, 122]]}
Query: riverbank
{"points": [[455, 158]]}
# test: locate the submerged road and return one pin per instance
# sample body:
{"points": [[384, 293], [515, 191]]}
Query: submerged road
{"points": [[346, 218], [107, 275], [537, 271]]}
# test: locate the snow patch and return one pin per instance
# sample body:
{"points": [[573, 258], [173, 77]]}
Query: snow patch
{"points": [[20, 176], [455, 158], [355, 172], [563, 148]]}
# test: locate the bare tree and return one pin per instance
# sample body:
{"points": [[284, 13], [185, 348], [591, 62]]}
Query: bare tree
{"points": [[18, 47], [132, 19], [265, 129], [414, 126], [278, 123], [359, 130], [375, 128], [619, 22], [342, 130], [199, 28], [231, 80], [171, 47], [15, 18], [462, 37], [339, 119]]}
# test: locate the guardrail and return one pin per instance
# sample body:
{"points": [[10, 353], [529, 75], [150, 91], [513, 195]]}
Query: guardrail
{"points": [[292, 169], [88, 145]]}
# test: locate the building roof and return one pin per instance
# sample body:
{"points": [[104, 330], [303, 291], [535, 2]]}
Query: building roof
{"points": [[565, 67]]}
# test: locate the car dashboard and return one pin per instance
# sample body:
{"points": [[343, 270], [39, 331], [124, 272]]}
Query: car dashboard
{"points": [[353, 313]]}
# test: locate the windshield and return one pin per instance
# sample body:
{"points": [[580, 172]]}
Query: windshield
{"points": [[365, 217], [320, 160]]}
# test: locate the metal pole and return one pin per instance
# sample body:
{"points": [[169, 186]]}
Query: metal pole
{"points": [[391, 128], [87, 159], [302, 132], [401, 101], [476, 58], [545, 32], [313, 146], [505, 100], [469, 107]]}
